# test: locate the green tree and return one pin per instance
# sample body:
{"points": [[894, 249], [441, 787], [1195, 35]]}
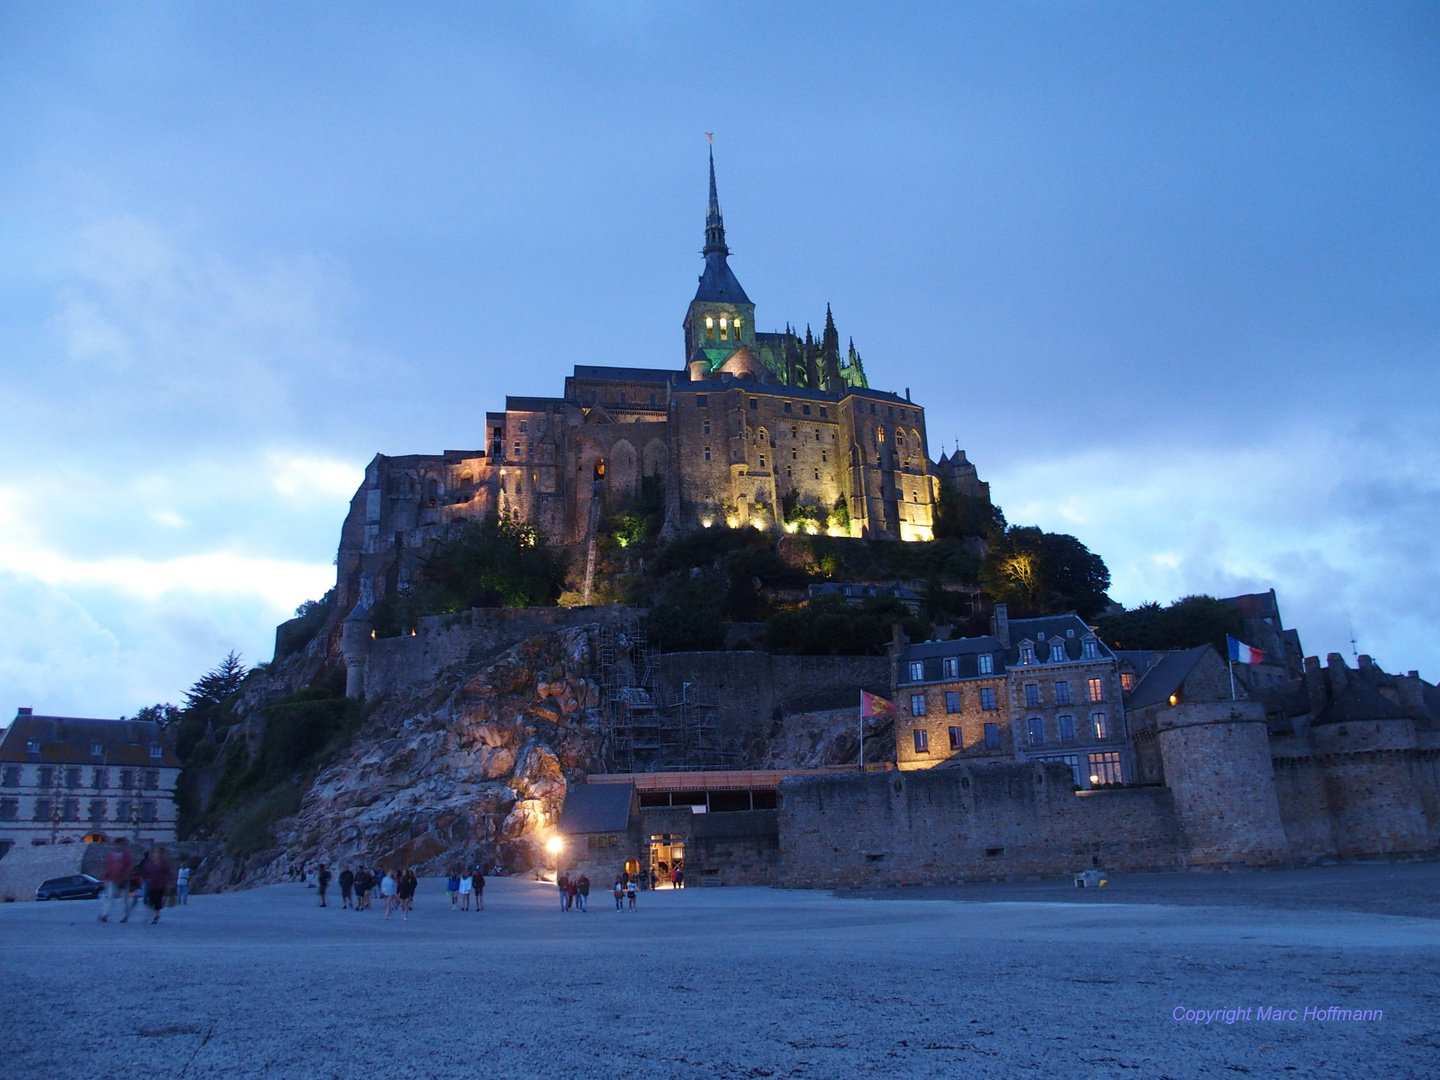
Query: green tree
{"points": [[960, 516], [832, 626], [687, 618], [1189, 621], [1040, 573]]}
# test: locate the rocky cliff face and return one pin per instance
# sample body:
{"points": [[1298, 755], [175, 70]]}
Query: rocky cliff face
{"points": [[472, 768]]}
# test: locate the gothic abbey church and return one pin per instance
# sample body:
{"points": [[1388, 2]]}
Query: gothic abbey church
{"points": [[763, 429]]}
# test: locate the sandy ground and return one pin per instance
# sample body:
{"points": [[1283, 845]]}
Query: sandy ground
{"points": [[979, 981]]}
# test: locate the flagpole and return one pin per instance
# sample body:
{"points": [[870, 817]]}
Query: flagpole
{"points": [[1231, 666], [862, 731]]}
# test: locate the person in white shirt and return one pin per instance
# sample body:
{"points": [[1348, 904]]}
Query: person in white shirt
{"points": [[467, 886], [182, 885], [389, 890]]}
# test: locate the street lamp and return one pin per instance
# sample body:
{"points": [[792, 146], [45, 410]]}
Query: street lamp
{"points": [[555, 846]]}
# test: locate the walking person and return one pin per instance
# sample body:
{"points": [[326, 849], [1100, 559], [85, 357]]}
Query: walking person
{"points": [[477, 886], [675, 877], [452, 886], [563, 884], [630, 893], [347, 886], [136, 889], [571, 888], [408, 884], [116, 876], [182, 885], [323, 878], [466, 888], [389, 892], [680, 877], [619, 894], [157, 882], [582, 892]]}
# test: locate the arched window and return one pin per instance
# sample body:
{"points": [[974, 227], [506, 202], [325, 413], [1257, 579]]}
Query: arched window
{"points": [[724, 328], [760, 435], [899, 436], [432, 489], [709, 328], [737, 329], [880, 433]]}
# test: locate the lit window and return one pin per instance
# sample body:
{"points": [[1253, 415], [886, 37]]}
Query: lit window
{"points": [[922, 741], [1036, 732], [992, 736], [1027, 654], [917, 670], [952, 701], [1100, 724], [737, 329], [957, 740], [1067, 728], [1032, 695], [1105, 768], [1097, 689], [880, 433], [987, 663], [1062, 693], [917, 704], [709, 329], [724, 329], [987, 698], [952, 667], [1127, 681]]}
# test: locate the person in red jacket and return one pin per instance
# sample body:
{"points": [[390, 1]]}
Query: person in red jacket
{"points": [[157, 882], [117, 880]]}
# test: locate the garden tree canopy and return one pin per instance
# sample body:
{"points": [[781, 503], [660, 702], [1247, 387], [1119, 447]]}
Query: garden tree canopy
{"points": [[495, 562], [1189, 621], [832, 626], [958, 516], [1040, 573]]}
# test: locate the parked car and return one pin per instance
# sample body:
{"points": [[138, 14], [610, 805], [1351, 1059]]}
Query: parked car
{"points": [[74, 887]]}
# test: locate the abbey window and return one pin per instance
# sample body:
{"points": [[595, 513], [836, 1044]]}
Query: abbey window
{"points": [[709, 329], [724, 329]]}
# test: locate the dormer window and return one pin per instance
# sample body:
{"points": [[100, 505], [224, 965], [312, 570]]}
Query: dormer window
{"points": [[33, 746], [1090, 649], [952, 667], [1057, 652], [156, 751], [917, 670], [986, 664], [1027, 653], [96, 750]]}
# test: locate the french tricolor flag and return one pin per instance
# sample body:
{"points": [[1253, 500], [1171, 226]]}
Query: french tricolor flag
{"points": [[1240, 653]]}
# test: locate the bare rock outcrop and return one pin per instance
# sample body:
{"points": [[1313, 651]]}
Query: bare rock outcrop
{"points": [[472, 769]]}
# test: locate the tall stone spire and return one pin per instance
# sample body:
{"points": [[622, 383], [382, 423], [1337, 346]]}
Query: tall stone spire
{"points": [[714, 223]]}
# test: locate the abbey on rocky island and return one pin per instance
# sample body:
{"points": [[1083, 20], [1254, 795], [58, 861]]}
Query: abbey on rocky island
{"points": [[770, 430]]}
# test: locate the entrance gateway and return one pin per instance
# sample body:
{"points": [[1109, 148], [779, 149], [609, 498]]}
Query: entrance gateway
{"points": [[667, 853]]}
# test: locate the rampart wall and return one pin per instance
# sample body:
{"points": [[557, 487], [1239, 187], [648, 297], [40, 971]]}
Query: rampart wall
{"points": [[966, 824]]}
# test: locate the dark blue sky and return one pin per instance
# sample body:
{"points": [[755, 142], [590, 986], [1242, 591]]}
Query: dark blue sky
{"points": [[1168, 273]]}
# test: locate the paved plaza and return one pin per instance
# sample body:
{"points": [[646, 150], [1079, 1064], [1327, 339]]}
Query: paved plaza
{"points": [[975, 981]]}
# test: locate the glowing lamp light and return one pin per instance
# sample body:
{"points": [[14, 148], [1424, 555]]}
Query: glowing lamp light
{"points": [[1174, 699], [1094, 779], [790, 526], [554, 845], [707, 522]]}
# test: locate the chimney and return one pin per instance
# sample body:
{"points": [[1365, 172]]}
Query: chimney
{"points": [[1000, 624], [25, 710]]}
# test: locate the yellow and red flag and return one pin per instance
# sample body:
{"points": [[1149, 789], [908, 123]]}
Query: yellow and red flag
{"points": [[874, 705]]}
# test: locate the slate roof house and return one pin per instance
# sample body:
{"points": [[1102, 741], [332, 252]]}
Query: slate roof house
{"points": [[65, 778]]}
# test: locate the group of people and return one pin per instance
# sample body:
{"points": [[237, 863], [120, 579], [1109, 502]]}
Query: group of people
{"points": [[574, 892], [128, 882], [396, 888], [465, 887]]}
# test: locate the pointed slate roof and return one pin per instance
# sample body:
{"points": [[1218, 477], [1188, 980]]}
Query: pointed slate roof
{"points": [[717, 284]]}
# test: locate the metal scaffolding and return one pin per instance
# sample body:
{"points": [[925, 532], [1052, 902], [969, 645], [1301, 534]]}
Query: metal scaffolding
{"points": [[643, 733]]}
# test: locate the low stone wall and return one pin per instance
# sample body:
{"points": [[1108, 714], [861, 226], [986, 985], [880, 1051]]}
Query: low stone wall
{"points": [[24, 868], [960, 824], [402, 664]]}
